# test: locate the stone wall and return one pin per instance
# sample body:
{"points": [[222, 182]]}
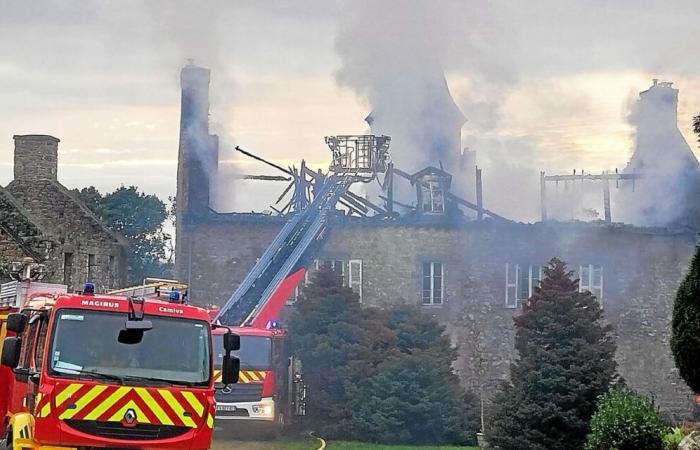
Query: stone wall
{"points": [[641, 271], [84, 249]]}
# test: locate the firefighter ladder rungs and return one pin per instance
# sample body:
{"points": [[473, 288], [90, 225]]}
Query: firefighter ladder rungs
{"points": [[282, 255]]}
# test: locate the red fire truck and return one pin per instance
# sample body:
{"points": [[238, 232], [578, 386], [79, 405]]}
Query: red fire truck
{"points": [[270, 391], [93, 371]]}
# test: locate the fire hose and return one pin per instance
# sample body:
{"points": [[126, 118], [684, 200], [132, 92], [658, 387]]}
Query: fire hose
{"points": [[319, 439]]}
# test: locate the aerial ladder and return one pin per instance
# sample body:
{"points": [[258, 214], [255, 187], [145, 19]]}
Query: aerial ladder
{"points": [[279, 270]]}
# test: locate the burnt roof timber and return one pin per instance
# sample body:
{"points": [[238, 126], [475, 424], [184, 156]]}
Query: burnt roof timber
{"points": [[366, 203], [262, 160], [262, 177], [471, 205], [355, 203], [602, 176], [351, 207], [404, 205], [279, 199]]}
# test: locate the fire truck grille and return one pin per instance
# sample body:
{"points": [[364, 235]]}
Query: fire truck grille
{"points": [[248, 392], [141, 431]]}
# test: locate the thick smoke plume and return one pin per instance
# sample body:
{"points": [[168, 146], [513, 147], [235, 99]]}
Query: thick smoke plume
{"points": [[669, 184], [399, 57]]}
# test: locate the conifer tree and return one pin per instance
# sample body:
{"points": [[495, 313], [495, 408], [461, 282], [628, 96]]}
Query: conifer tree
{"points": [[685, 326], [564, 362], [339, 344], [381, 375]]}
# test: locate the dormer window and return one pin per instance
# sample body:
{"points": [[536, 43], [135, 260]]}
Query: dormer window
{"points": [[432, 197], [432, 185]]}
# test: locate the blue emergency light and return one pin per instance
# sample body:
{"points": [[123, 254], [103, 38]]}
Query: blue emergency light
{"points": [[89, 288], [174, 296]]}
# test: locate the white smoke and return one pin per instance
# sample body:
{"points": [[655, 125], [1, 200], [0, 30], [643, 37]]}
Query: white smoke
{"points": [[397, 55], [667, 192]]}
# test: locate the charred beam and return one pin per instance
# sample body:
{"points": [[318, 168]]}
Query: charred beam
{"points": [[262, 160], [602, 176], [471, 205], [352, 208], [366, 203], [403, 205], [355, 203], [262, 177]]}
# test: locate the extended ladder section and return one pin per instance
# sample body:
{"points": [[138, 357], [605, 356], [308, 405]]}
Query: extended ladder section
{"points": [[283, 254]]}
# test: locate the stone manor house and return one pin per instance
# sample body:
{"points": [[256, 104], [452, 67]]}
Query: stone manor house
{"points": [[471, 272]]}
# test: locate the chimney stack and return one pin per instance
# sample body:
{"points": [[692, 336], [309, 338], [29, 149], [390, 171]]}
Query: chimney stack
{"points": [[36, 157]]}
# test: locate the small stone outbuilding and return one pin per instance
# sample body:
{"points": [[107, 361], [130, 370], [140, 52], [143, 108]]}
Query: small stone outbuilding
{"points": [[42, 220]]}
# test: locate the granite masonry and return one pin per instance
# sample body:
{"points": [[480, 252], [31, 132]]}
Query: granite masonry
{"points": [[42, 220], [473, 275]]}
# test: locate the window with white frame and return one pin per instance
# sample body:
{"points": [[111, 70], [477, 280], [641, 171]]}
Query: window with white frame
{"points": [[591, 279], [521, 280], [433, 283], [355, 276], [350, 272], [433, 199]]}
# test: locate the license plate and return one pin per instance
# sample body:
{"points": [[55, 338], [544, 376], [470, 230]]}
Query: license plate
{"points": [[225, 407]]}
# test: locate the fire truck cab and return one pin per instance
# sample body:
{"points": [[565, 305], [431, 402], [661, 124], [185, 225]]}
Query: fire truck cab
{"points": [[91, 371], [269, 392]]}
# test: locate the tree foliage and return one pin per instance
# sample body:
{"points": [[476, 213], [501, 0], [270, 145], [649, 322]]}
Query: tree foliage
{"points": [[140, 218], [685, 325], [565, 361], [373, 374], [696, 126], [626, 420]]}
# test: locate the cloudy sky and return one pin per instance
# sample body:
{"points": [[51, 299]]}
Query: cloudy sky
{"points": [[544, 84]]}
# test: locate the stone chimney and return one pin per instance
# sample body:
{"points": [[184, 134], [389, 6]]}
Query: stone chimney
{"points": [[36, 157], [198, 152]]}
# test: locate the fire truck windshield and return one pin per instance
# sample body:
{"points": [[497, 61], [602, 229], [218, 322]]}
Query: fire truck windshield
{"points": [[85, 345], [254, 353]]}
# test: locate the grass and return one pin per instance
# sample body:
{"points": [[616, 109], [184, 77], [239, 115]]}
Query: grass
{"points": [[362, 446], [313, 445]]}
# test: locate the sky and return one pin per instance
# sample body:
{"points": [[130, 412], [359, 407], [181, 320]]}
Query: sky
{"points": [[544, 85]]}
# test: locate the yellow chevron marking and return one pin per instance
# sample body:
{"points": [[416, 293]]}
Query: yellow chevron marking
{"points": [[37, 402], [108, 403], [67, 392], [194, 403], [252, 375], [46, 410], [242, 377], [83, 401], [262, 375], [119, 415], [217, 376], [154, 406], [210, 420], [177, 408]]}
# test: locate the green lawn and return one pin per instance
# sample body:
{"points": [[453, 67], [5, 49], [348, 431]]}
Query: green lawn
{"points": [[361, 446], [313, 445]]}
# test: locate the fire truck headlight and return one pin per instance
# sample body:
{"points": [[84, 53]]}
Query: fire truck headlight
{"points": [[262, 410]]}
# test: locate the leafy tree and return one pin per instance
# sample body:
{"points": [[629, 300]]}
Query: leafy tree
{"points": [[696, 126], [565, 361], [626, 420], [685, 325], [376, 374], [139, 217]]}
